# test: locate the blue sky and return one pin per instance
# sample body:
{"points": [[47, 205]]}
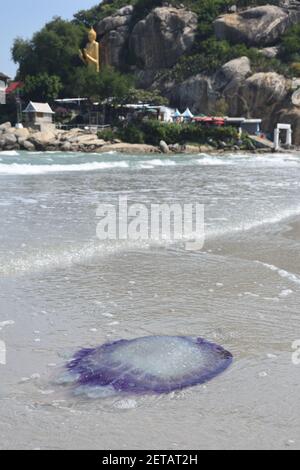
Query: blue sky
{"points": [[24, 17]]}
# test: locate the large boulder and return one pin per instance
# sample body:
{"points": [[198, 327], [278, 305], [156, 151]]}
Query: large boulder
{"points": [[197, 93], [163, 36], [259, 26], [42, 139], [10, 139], [128, 148], [5, 126], [22, 133], [27, 145], [114, 33], [232, 72], [260, 96]]}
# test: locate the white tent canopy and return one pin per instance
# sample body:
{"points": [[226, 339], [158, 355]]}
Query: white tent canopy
{"points": [[177, 113], [187, 114]]}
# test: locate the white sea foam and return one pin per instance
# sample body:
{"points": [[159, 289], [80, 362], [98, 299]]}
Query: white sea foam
{"points": [[211, 161], [28, 169], [159, 162], [282, 273], [15, 168], [3, 324], [44, 260], [253, 224], [10, 153]]}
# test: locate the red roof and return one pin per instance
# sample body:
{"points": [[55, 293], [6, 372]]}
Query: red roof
{"points": [[13, 87], [210, 119]]}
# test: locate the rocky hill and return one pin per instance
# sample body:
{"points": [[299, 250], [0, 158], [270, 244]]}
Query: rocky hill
{"points": [[212, 56]]}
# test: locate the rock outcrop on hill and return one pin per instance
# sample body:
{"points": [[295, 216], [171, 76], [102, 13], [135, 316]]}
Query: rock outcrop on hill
{"points": [[167, 33], [163, 36], [174, 51], [232, 73], [156, 41], [292, 116], [258, 95], [259, 26], [114, 33]]}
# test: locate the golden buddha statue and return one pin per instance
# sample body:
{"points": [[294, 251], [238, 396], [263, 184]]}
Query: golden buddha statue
{"points": [[91, 54]]}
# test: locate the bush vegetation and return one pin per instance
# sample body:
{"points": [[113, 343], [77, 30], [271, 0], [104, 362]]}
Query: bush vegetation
{"points": [[152, 132], [290, 47]]}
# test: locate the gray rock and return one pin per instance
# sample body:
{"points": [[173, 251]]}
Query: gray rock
{"points": [[235, 70], [41, 139], [10, 130], [259, 26], [27, 145], [292, 116], [22, 133], [5, 126], [163, 36], [270, 52], [197, 93], [12, 147], [176, 148], [66, 147], [114, 33], [164, 147], [10, 139], [260, 96]]}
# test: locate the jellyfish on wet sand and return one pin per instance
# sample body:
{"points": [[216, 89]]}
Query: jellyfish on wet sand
{"points": [[155, 364]]}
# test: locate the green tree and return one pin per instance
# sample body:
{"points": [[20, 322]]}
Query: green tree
{"points": [[53, 50], [109, 84], [221, 107], [42, 87], [147, 96], [290, 48]]}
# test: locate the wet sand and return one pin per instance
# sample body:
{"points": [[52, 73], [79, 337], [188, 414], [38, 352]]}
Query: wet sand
{"points": [[60, 292]]}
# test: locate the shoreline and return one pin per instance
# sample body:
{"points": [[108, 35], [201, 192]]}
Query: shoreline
{"points": [[136, 149], [87, 141]]}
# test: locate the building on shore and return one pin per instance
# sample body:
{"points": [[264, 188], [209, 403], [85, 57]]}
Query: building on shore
{"points": [[250, 126], [39, 116], [3, 85]]}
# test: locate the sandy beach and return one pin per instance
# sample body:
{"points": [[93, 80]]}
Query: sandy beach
{"points": [[62, 289]]}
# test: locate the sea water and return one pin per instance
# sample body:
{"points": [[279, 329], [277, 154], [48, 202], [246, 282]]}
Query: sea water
{"points": [[61, 289]]}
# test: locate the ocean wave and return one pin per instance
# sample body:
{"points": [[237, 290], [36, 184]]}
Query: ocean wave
{"points": [[62, 258], [10, 153], [29, 169], [254, 224], [211, 161], [282, 272]]}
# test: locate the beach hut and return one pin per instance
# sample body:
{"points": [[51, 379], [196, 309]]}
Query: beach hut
{"points": [[252, 126], [39, 116]]}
